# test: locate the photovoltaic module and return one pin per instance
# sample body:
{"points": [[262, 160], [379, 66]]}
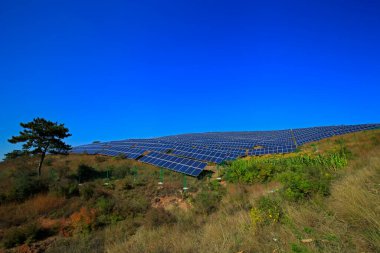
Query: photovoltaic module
{"points": [[190, 153]]}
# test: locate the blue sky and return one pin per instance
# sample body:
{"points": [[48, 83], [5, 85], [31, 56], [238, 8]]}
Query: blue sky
{"points": [[128, 69]]}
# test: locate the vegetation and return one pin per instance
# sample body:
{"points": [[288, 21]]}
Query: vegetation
{"points": [[323, 198], [39, 137]]}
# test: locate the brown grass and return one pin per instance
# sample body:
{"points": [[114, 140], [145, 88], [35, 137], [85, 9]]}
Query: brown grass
{"points": [[41, 205]]}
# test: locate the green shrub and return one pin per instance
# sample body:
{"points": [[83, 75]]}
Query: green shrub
{"points": [[107, 219], [87, 173], [87, 191], [105, 205], [271, 209], [19, 235], [208, 199], [134, 205], [25, 186], [66, 188], [264, 169], [296, 248], [302, 175], [296, 186], [121, 172], [266, 211]]}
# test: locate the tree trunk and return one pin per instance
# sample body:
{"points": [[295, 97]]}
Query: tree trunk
{"points": [[40, 164]]}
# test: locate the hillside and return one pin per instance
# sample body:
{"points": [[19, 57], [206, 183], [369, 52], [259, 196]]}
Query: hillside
{"points": [[322, 198]]}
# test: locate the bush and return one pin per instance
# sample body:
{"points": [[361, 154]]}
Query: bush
{"points": [[296, 186], [208, 199], [264, 169], [19, 235], [86, 173], [135, 205], [156, 217], [266, 211], [25, 186], [302, 185], [121, 172], [87, 191], [108, 211], [66, 188], [271, 209], [105, 205]]}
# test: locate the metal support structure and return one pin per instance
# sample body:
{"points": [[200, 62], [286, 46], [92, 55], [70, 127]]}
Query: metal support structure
{"points": [[161, 176], [185, 183], [218, 173], [135, 173]]}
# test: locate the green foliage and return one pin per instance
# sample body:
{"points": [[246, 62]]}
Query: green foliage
{"points": [[121, 172], [266, 211], [270, 209], [207, 200], [15, 154], [107, 213], [19, 235], [87, 173], [66, 188], [25, 186], [296, 248], [296, 186], [107, 219], [301, 174], [105, 205], [87, 191], [41, 136], [134, 204], [299, 185]]}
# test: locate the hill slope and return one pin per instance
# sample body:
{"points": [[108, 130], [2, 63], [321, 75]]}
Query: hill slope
{"points": [[324, 198]]}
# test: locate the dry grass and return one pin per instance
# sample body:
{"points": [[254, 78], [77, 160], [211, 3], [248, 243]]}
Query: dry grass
{"points": [[356, 203], [41, 205]]}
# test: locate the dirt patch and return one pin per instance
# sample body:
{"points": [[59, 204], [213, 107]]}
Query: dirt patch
{"points": [[255, 191], [170, 202]]}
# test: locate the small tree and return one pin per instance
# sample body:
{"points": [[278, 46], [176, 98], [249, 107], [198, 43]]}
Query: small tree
{"points": [[14, 154], [41, 136]]}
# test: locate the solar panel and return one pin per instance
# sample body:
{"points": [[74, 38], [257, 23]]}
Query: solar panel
{"points": [[201, 154], [188, 151], [179, 164]]}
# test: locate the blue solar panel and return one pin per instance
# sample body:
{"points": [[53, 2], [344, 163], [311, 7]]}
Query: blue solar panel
{"points": [[187, 151], [182, 165]]}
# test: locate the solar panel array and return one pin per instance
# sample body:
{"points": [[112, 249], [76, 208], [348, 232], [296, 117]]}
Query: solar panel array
{"points": [[190, 153], [179, 164]]}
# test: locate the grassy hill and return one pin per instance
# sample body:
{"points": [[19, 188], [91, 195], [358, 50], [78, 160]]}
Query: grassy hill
{"points": [[323, 198]]}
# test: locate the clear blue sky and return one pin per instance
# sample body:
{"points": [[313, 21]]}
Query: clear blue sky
{"points": [[119, 69]]}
